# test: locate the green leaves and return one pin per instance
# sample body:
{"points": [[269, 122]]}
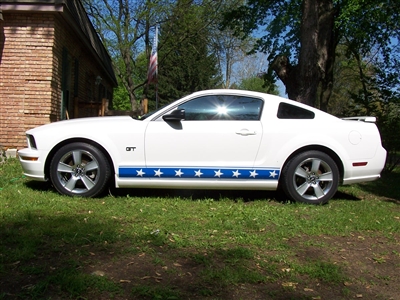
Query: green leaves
{"points": [[187, 63]]}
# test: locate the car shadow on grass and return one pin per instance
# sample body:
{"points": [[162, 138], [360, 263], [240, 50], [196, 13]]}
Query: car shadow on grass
{"points": [[235, 195], [340, 195], [387, 187], [193, 194], [216, 195]]}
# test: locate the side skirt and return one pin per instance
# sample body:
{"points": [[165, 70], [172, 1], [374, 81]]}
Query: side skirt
{"points": [[215, 184]]}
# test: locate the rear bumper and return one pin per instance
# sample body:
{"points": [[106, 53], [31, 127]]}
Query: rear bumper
{"points": [[370, 172]]}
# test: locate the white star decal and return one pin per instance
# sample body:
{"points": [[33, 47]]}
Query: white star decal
{"points": [[236, 174], [178, 173], [218, 173], [140, 173], [272, 174], [198, 173], [158, 173], [253, 174]]}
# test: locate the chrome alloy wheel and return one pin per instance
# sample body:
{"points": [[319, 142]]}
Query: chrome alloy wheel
{"points": [[78, 171], [313, 178]]}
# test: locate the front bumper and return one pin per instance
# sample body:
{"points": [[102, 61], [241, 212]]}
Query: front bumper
{"points": [[33, 164]]}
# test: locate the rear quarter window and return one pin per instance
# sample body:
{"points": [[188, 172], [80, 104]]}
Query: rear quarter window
{"points": [[288, 111]]}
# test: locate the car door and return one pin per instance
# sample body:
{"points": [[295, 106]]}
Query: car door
{"points": [[218, 131]]}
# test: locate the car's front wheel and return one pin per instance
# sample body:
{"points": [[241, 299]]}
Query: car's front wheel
{"points": [[310, 177], [79, 169]]}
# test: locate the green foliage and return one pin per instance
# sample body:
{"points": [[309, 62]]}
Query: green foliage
{"points": [[370, 26], [258, 84], [278, 21], [389, 125], [366, 24], [187, 65], [378, 94], [124, 28], [368, 29], [121, 99], [347, 79]]}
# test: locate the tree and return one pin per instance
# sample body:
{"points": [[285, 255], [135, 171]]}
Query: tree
{"points": [[186, 62], [229, 50], [347, 81], [301, 37], [257, 84], [121, 100], [251, 73], [379, 95], [124, 27]]}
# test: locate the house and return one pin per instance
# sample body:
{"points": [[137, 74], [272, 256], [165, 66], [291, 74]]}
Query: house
{"points": [[53, 66]]}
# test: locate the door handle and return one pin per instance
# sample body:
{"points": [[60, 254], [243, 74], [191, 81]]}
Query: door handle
{"points": [[245, 132]]}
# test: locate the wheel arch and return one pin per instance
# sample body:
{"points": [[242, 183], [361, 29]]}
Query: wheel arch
{"points": [[74, 140], [324, 149]]}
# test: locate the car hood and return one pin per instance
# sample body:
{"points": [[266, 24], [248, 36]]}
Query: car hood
{"points": [[102, 130], [94, 123]]}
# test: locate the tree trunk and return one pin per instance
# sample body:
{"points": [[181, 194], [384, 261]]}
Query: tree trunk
{"points": [[316, 55], [287, 73], [327, 42]]}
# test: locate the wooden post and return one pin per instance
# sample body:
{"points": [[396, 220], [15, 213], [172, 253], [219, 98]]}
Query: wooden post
{"points": [[145, 103], [103, 106]]}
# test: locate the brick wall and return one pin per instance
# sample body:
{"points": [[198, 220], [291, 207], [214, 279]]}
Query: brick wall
{"points": [[25, 75], [31, 61]]}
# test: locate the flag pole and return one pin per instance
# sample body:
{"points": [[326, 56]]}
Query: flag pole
{"points": [[157, 95], [156, 67], [152, 74]]}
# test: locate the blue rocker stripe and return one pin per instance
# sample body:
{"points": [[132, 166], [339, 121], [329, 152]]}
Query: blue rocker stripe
{"points": [[207, 173]]}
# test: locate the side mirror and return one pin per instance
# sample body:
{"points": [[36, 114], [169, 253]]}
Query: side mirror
{"points": [[175, 116]]}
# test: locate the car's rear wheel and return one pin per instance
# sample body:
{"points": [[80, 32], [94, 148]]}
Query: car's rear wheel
{"points": [[80, 169], [310, 177]]}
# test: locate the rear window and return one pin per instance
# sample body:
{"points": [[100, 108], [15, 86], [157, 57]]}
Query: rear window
{"points": [[288, 111]]}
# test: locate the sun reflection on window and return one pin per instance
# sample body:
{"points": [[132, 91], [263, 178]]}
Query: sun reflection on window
{"points": [[222, 110]]}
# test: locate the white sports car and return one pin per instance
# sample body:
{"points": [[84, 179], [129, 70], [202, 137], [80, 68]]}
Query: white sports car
{"points": [[215, 139]]}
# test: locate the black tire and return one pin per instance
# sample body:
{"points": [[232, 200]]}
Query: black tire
{"points": [[310, 177], [80, 169]]}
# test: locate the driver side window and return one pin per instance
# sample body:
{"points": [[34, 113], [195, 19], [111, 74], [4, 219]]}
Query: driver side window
{"points": [[223, 107]]}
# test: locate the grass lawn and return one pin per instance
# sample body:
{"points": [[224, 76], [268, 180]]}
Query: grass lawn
{"points": [[167, 244]]}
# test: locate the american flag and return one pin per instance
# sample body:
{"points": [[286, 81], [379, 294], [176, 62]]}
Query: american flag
{"points": [[152, 72]]}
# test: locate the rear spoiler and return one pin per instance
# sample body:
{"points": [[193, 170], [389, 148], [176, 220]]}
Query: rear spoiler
{"points": [[364, 119]]}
